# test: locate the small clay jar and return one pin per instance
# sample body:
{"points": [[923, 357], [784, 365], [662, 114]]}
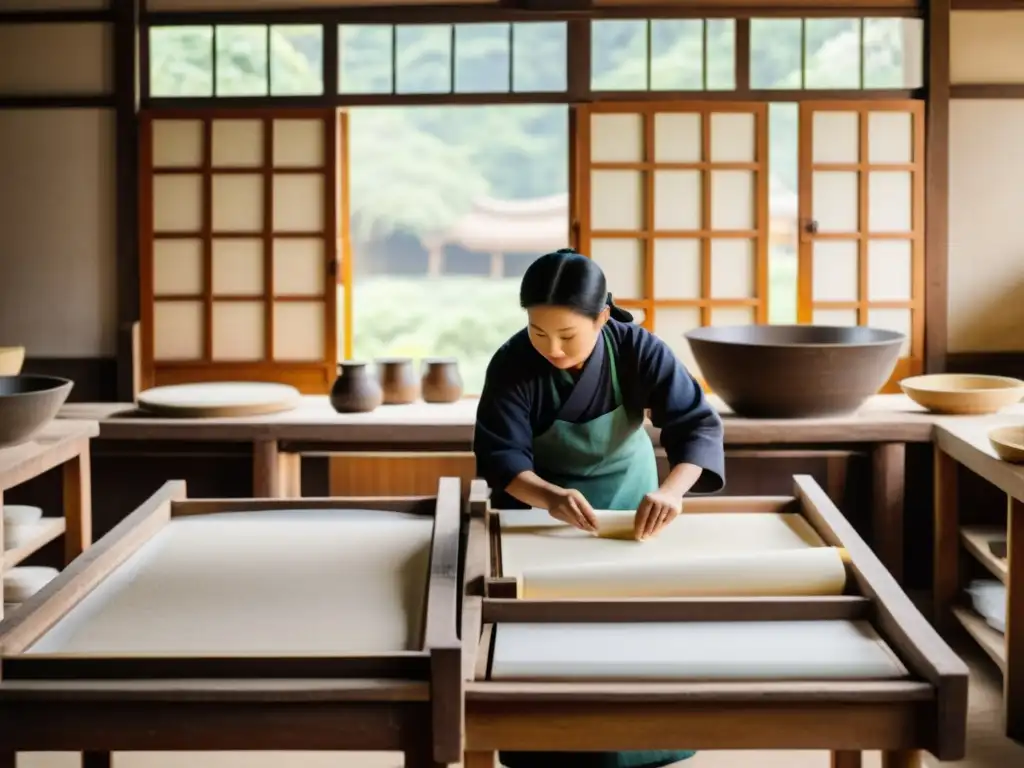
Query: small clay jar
{"points": [[355, 391], [397, 378], [442, 382]]}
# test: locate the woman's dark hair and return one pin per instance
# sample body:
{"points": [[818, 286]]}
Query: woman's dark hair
{"points": [[569, 279]]}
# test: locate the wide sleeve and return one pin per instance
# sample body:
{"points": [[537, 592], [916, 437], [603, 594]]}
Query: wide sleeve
{"points": [[691, 430], [503, 436]]}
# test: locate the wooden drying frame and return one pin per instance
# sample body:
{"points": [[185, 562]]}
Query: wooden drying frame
{"points": [[927, 712], [409, 700]]}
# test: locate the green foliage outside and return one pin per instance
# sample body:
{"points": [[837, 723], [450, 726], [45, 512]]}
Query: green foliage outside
{"points": [[416, 170]]}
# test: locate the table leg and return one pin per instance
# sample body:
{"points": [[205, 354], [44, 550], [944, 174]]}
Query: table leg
{"points": [[902, 758], [946, 547], [479, 760], [846, 759], [888, 489], [266, 470], [1013, 675], [77, 505], [291, 474]]}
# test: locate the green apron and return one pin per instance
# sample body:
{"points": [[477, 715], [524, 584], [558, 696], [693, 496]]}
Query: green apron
{"points": [[610, 460]]}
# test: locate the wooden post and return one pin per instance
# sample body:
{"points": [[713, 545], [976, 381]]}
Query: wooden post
{"points": [[946, 548], [77, 494], [888, 484]]}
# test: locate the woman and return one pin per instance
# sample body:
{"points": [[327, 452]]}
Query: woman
{"points": [[560, 427]]}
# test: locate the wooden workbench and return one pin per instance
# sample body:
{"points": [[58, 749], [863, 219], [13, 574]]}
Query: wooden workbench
{"points": [[924, 709], [246, 624], [61, 443], [966, 445], [882, 428]]}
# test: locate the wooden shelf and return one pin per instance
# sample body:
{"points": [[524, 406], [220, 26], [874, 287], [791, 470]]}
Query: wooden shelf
{"points": [[977, 540], [991, 641], [49, 528]]}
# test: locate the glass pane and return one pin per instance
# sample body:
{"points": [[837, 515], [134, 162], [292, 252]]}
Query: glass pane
{"points": [[721, 54], [539, 53], [364, 58], [483, 58], [775, 53], [296, 60], [618, 55], [677, 54], [423, 58], [241, 63], [893, 53], [181, 61], [832, 53]]}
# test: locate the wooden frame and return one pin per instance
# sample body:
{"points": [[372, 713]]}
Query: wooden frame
{"points": [[313, 376], [956, 447], [62, 443], [899, 717], [806, 302], [583, 227], [408, 701]]}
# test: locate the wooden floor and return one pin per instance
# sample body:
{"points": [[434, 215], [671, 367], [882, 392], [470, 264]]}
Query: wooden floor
{"points": [[987, 748]]}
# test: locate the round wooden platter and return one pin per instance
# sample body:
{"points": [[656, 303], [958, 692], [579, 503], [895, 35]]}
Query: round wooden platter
{"points": [[218, 400]]}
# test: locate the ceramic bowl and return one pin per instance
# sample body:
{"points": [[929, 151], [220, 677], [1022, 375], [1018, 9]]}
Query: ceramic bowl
{"points": [[1008, 442], [22, 582], [28, 403], [794, 371], [963, 393]]}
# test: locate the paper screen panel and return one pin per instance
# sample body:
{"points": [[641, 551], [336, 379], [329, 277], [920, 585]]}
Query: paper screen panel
{"points": [[244, 202], [862, 195], [679, 193]]}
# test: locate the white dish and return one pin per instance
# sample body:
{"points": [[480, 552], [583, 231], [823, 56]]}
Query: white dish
{"points": [[19, 535], [989, 599], [21, 514], [23, 582]]}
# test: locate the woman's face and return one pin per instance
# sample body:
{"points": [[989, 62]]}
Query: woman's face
{"points": [[565, 337]]}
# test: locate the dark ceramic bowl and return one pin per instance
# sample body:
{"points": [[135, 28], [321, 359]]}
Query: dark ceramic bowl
{"points": [[794, 371], [28, 403]]}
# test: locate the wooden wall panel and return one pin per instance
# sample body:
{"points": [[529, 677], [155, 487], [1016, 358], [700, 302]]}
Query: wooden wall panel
{"points": [[40, 59], [396, 474], [57, 213], [986, 229], [986, 46]]}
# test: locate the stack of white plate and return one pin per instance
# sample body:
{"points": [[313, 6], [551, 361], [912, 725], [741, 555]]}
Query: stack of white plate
{"points": [[24, 581], [989, 598], [21, 523]]}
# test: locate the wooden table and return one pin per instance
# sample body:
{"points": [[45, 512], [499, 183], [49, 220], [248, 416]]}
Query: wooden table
{"points": [[882, 428], [340, 632], [62, 442], [966, 445], [925, 710]]}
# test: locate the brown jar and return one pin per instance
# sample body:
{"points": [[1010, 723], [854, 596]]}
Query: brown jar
{"points": [[397, 378], [355, 391], [442, 382]]}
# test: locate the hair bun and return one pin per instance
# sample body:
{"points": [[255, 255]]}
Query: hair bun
{"points": [[566, 250]]}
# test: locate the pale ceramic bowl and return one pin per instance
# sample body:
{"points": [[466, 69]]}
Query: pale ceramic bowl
{"points": [[11, 360], [1008, 442], [963, 393]]}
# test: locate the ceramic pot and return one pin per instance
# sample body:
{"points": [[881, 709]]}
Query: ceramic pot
{"points": [[355, 391], [442, 382], [398, 379]]}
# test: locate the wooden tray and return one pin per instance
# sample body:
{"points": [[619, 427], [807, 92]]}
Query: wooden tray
{"points": [[218, 400], [924, 707], [170, 682]]}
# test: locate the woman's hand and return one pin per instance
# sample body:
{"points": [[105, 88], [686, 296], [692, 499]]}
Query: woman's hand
{"points": [[570, 506], [657, 510]]}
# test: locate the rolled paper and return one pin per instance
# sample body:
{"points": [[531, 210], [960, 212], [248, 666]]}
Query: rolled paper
{"points": [[814, 571], [616, 524]]}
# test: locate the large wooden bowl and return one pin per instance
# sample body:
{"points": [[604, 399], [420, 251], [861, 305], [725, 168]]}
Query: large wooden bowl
{"points": [[963, 393], [11, 360], [28, 403], [794, 371]]}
